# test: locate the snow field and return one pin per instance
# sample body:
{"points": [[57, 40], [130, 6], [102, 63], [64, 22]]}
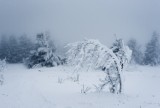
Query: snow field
{"points": [[58, 87]]}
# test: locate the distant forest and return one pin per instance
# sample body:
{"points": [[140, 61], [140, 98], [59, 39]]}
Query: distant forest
{"points": [[16, 48]]}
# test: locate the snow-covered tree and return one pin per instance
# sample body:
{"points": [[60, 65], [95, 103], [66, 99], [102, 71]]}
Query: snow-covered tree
{"points": [[122, 52], [92, 54], [44, 54], [2, 67], [152, 52], [137, 55]]}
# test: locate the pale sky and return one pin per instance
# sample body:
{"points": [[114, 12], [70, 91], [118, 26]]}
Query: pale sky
{"points": [[72, 20]]}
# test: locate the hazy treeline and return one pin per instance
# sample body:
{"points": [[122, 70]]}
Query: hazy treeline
{"points": [[16, 48], [150, 55]]}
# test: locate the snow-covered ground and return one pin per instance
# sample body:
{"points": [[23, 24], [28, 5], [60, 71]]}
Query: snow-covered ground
{"points": [[57, 88]]}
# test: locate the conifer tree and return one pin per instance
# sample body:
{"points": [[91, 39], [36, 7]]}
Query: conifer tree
{"points": [[152, 56], [44, 54]]}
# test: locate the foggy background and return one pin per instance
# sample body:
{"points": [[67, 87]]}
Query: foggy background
{"points": [[72, 20]]}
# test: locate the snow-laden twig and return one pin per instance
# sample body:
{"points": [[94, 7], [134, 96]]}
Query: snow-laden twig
{"points": [[84, 89], [75, 78], [60, 80]]}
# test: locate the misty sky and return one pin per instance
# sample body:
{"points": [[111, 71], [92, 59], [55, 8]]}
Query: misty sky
{"points": [[72, 20]]}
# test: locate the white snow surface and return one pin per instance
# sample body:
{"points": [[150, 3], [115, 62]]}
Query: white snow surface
{"points": [[55, 88]]}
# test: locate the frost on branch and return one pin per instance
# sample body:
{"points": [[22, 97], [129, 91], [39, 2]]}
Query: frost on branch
{"points": [[92, 54]]}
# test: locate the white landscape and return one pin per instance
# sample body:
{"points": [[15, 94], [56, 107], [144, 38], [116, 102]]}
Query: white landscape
{"points": [[55, 88], [88, 75], [79, 53]]}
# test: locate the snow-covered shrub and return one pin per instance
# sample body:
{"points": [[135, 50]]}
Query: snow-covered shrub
{"points": [[44, 55], [92, 54], [2, 67]]}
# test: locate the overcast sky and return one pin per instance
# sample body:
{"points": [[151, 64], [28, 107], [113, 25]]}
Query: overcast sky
{"points": [[72, 20]]}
